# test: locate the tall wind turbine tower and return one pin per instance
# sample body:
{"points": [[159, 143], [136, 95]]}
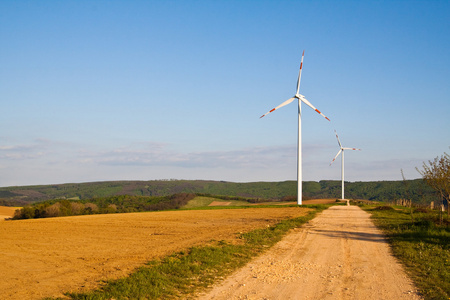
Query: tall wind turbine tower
{"points": [[300, 99], [341, 150]]}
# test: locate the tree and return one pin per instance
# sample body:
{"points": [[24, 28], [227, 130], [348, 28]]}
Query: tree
{"points": [[90, 208], [436, 174], [53, 210], [26, 212], [76, 208]]}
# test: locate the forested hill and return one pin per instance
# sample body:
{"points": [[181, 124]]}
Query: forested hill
{"points": [[378, 191]]}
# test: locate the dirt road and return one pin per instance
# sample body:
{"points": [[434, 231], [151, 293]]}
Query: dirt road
{"points": [[338, 255]]}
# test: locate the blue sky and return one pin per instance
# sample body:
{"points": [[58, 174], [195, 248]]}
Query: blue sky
{"points": [[143, 90]]}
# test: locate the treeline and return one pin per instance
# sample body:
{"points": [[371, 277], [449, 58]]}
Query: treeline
{"points": [[102, 205], [416, 190], [386, 191]]}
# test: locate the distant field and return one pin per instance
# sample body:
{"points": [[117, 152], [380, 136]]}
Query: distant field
{"points": [[46, 257], [7, 212], [201, 201]]}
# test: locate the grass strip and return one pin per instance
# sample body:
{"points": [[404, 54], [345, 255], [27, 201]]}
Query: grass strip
{"points": [[421, 243], [182, 274]]}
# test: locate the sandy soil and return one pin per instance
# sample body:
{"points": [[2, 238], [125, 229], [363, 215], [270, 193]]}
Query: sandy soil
{"points": [[338, 255], [46, 257]]}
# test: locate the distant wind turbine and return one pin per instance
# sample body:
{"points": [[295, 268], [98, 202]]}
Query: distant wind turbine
{"points": [[301, 99], [342, 163]]}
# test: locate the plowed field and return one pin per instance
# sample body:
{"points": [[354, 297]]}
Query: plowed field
{"points": [[7, 212], [46, 257]]}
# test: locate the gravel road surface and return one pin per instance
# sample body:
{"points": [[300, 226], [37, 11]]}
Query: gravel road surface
{"points": [[338, 255]]}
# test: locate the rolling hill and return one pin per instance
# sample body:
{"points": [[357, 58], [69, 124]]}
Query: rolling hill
{"points": [[377, 190]]}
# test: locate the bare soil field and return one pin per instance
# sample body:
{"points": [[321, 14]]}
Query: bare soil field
{"points": [[7, 212], [47, 257], [338, 255]]}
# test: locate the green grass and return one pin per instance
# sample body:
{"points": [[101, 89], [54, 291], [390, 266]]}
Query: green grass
{"points": [[182, 274], [202, 201], [421, 244]]}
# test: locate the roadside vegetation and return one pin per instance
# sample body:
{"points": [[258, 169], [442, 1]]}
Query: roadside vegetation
{"points": [[436, 174], [421, 241], [183, 274]]}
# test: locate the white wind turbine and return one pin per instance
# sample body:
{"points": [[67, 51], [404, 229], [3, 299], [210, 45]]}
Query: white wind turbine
{"points": [[301, 99], [342, 162]]}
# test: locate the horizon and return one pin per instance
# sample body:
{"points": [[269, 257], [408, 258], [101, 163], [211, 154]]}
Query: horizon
{"points": [[172, 179], [101, 91]]}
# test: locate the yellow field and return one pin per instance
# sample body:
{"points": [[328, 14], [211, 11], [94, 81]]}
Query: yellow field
{"points": [[46, 257], [7, 212]]}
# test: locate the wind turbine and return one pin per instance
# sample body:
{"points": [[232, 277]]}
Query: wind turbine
{"points": [[342, 163], [301, 99]]}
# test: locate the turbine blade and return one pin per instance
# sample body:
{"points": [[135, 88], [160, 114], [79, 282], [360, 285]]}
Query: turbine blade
{"points": [[310, 105], [339, 152], [351, 149], [300, 73], [281, 105], [339, 142]]}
